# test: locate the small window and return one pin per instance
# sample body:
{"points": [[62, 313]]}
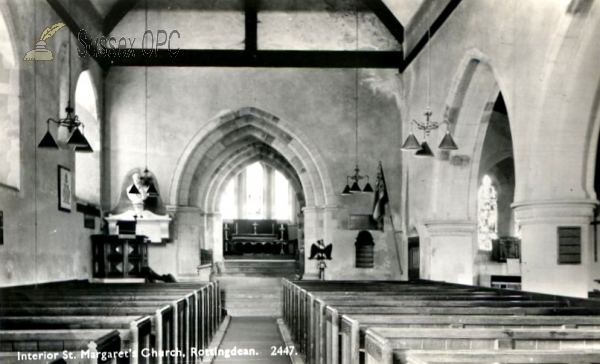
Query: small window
{"points": [[365, 250], [569, 245]]}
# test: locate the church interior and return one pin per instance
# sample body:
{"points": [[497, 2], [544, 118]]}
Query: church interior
{"points": [[359, 180]]}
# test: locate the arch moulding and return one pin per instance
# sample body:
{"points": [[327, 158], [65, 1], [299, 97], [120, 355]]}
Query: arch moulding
{"points": [[284, 137]]}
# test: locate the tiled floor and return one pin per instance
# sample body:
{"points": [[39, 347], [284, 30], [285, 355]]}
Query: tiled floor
{"points": [[258, 333]]}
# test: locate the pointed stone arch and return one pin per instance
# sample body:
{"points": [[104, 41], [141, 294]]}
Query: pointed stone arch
{"points": [[214, 143], [230, 142], [469, 105]]}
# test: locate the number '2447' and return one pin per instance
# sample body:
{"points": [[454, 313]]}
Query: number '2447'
{"points": [[282, 350]]}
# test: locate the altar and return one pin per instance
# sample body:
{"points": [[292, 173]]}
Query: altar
{"points": [[256, 237]]}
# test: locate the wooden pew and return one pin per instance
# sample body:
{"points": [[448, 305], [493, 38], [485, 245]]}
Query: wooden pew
{"points": [[381, 342], [354, 327], [135, 332], [298, 310], [86, 346], [202, 312], [300, 301], [492, 356], [332, 317]]}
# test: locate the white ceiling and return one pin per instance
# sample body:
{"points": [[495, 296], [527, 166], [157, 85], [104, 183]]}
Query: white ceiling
{"points": [[103, 6], [403, 10]]}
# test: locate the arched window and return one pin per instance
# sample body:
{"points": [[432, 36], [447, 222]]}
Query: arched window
{"points": [[87, 165], [258, 192], [255, 192], [487, 214], [228, 206], [282, 203], [10, 138]]}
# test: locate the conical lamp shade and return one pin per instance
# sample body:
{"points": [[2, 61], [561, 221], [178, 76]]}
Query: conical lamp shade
{"points": [[48, 142], [152, 191], [411, 143], [448, 143], [77, 139], [368, 188], [134, 190], [346, 191], [86, 149], [425, 151], [355, 188]]}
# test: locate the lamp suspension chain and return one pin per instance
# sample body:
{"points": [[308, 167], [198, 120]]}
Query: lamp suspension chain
{"points": [[356, 176], [412, 143]]}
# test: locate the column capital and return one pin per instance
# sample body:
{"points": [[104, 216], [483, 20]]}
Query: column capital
{"points": [[311, 209], [559, 211], [178, 208], [451, 227], [331, 207]]}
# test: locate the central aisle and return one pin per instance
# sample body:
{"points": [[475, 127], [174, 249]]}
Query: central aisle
{"points": [[258, 333]]}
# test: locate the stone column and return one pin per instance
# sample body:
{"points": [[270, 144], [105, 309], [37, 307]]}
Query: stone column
{"points": [[269, 192], [313, 227], [539, 221], [451, 251], [330, 223], [186, 230], [241, 195], [214, 234]]}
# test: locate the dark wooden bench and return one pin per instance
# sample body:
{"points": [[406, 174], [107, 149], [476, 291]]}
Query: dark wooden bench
{"points": [[354, 327], [184, 323], [312, 309], [86, 346], [493, 357], [380, 343]]}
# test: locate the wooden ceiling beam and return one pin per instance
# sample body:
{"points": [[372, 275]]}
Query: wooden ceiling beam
{"points": [[251, 24], [271, 59], [91, 19], [433, 28], [387, 18]]}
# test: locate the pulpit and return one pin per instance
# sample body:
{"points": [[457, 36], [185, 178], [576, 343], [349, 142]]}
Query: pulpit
{"points": [[119, 256]]}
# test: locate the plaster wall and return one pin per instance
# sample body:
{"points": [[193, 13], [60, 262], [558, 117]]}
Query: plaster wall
{"points": [[41, 243], [320, 102]]}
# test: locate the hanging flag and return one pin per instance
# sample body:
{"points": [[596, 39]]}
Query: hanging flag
{"points": [[381, 197]]}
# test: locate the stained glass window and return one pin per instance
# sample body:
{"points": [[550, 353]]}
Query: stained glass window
{"points": [[487, 214]]}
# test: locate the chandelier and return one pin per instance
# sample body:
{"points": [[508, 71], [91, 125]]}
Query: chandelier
{"points": [[71, 122], [411, 142], [355, 188], [146, 179]]}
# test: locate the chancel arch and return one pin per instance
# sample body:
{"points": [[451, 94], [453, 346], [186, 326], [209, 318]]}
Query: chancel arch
{"points": [[228, 145], [282, 135]]}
